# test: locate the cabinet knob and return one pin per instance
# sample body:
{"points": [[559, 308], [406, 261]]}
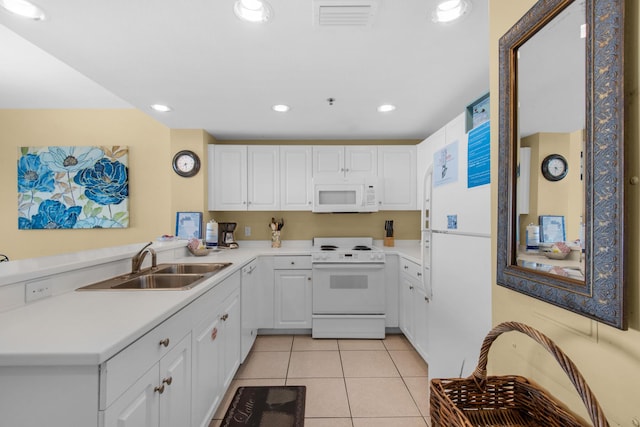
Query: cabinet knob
{"points": [[309, 278], [159, 389], [167, 381], [406, 267], [419, 274], [293, 263], [165, 342], [426, 299], [214, 334], [410, 287], [224, 317]]}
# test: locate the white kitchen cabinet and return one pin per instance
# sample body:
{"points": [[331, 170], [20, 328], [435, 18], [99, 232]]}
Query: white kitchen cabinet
{"points": [[228, 176], [414, 306], [296, 193], [245, 178], [216, 348], [293, 289], [340, 161], [391, 266], [161, 397], [407, 293], [263, 182], [249, 307], [397, 170]]}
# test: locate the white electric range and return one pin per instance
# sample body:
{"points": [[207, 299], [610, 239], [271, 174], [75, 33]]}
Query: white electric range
{"points": [[349, 296]]}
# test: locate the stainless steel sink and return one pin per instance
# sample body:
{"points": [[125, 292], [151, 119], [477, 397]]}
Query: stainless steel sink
{"points": [[162, 277], [190, 268]]}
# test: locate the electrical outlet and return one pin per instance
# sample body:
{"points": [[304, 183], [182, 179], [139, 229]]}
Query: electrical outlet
{"points": [[247, 231], [37, 290]]}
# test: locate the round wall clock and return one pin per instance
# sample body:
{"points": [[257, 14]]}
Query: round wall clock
{"points": [[186, 163], [554, 167]]}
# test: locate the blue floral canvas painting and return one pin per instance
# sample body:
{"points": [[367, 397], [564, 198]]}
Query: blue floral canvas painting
{"points": [[73, 187]]}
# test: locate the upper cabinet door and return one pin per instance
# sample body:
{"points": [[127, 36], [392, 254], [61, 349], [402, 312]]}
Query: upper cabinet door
{"points": [[397, 168], [263, 177], [230, 177], [341, 161], [361, 160], [328, 160], [296, 193]]}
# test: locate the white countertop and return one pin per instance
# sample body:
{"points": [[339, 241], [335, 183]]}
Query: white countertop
{"points": [[87, 328]]}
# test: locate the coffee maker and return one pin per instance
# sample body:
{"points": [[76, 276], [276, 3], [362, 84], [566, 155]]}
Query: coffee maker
{"points": [[226, 237]]}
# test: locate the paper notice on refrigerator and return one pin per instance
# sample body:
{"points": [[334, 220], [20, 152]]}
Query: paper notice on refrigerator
{"points": [[479, 156], [445, 165]]}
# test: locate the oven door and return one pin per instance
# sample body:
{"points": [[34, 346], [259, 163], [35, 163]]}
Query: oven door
{"points": [[348, 289]]}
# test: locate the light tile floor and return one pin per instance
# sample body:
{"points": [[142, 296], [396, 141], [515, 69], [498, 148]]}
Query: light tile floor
{"points": [[350, 383]]}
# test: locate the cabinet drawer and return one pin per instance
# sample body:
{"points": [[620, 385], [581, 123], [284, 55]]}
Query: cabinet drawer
{"points": [[410, 268], [292, 262], [119, 372]]}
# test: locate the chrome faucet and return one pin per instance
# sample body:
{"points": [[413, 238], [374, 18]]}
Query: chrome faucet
{"points": [[136, 261]]}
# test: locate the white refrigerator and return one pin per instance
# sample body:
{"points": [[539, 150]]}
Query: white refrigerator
{"points": [[456, 250]]}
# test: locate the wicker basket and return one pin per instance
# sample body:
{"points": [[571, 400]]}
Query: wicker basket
{"points": [[509, 400]]}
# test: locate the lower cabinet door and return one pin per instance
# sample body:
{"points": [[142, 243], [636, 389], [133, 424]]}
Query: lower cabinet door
{"points": [[231, 342], [175, 381], [292, 299], [138, 406], [206, 379]]}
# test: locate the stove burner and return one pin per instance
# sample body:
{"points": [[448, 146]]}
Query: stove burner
{"points": [[328, 248], [361, 248]]}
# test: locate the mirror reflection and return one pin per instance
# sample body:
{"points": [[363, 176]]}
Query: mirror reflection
{"points": [[550, 189]]}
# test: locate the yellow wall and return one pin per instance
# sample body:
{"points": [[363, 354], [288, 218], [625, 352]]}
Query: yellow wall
{"points": [[306, 225], [608, 358], [156, 193], [149, 175]]}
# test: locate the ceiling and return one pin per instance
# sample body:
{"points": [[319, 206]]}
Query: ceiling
{"points": [[222, 75]]}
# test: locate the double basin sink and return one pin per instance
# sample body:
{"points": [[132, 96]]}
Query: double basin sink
{"points": [[161, 277]]}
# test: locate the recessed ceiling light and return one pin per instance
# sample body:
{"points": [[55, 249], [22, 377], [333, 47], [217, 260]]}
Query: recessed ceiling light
{"points": [[385, 108], [281, 108], [24, 9], [450, 10], [252, 10], [161, 108]]}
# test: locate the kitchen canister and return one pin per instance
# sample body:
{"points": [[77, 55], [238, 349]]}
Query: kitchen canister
{"points": [[533, 237]]}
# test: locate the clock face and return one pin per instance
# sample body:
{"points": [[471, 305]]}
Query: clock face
{"points": [[186, 163], [554, 167]]}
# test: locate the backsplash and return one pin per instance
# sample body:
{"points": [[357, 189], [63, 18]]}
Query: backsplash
{"points": [[303, 225]]}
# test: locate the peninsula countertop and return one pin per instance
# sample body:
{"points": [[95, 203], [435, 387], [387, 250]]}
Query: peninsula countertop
{"points": [[88, 328]]}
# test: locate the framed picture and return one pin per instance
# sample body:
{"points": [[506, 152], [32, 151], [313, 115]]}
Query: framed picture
{"points": [[188, 225], [552, 228]]}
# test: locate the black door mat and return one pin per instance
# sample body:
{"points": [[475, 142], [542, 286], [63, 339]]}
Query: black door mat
{"points": [[267, 406]]}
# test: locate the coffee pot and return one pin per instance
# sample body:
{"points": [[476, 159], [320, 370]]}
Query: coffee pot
{"points": [[226, 238]]}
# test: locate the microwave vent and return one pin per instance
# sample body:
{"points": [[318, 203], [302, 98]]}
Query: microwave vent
{"points": [[344, 13]]}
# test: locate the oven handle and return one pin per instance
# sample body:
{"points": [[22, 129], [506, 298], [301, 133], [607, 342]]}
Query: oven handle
{"points": [[346, 266]]}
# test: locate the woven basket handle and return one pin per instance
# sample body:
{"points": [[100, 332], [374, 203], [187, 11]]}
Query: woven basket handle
{"points": [[589, 400]]}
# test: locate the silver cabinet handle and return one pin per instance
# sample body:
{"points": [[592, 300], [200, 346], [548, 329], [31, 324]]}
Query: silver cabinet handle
{"points": [[410, 287], [419, 274], [167, 381], [165, 342], [159, 389]]}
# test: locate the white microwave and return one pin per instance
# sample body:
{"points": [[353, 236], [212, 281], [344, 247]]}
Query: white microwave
{"points": [[345, 195]]}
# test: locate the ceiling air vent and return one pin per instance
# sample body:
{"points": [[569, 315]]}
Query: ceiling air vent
{"points": [[345, 13]]}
